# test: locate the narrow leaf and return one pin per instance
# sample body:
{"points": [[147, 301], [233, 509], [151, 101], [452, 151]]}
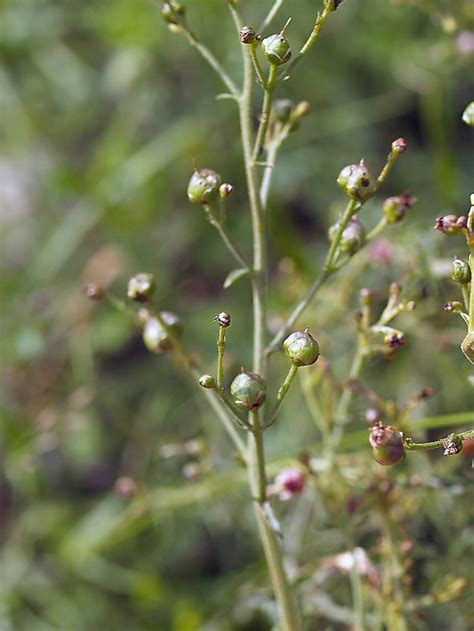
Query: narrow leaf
{"points": [[234, 276]]}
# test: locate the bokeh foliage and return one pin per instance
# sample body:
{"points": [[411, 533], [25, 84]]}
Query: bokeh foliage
{"points": [[104, 112]]}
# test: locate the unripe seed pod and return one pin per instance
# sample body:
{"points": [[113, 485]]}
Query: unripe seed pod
{"points": [[301, 348], [248, 390], [156, 338], [468, 114], [207, 381], [353, 237], [282, 110], [203, 186], [248, 35], [387, 445], [394, 208], [141, 287], [461, 272], [356, 181], [277, 49]]}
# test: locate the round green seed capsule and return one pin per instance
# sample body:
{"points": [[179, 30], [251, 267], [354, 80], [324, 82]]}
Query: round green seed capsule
{"points": [[387, 445], [141, 287], [207, 381], [461, 272], [277, 49], [248, 390], [352, 238], [301, 348], [203, 186], [357, 181]]}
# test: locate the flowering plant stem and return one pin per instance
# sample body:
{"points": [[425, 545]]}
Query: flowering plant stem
{"points": [[435, 444], [255, 448]]}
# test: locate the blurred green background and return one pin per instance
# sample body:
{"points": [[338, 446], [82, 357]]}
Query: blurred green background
{"points": [[104, 112]]}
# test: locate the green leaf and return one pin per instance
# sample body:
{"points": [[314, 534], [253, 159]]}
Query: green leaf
{"points": [[234, 276]]}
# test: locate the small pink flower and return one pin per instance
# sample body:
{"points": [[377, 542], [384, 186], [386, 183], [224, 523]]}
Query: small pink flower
{"points": [[381, 252], [289, 482]]}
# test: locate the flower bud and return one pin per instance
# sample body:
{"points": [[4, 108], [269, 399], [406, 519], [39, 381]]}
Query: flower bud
{"points": [[156, 337], [302, 109], [468, 114], [356, 181], [461, 272], [454, 306], [289, 482], [277, 49], [353, 237], [248, 35], [394, 340], [450, 224], [94, 291], [207, 381], [452, 445], [223, 319], [301, 348], [399, 146], [394, 208], [141, 287], [387, 444], [171, 11], [203, 186], [282, 110], [225, 190], [248, 390]]}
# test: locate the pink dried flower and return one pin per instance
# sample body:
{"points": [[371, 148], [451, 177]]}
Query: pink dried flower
{"points": [[289, 482]]}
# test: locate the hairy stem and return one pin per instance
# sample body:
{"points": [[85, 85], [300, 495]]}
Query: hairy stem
{"points": [[435, 444], [282, 391], [226, 238], [266, 109], [318, 25], [255, 452], [220, 357]]}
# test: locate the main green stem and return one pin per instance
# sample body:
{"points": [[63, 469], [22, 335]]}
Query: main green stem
{"points": [[255, 449]]}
